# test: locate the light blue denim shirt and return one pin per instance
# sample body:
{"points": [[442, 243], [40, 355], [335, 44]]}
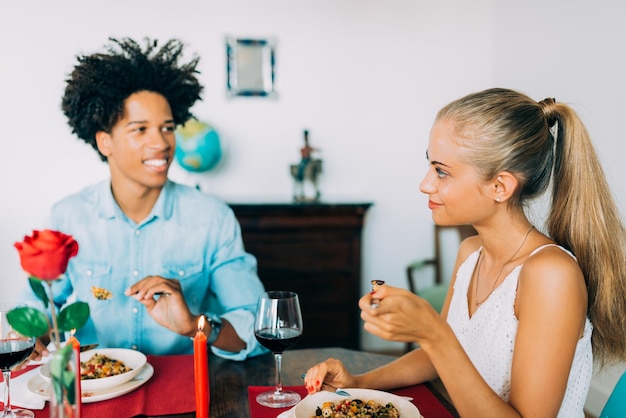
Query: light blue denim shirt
{"points": [[189, 236]]}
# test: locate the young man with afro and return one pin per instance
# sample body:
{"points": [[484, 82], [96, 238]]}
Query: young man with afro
{"points": [[154, 255]]}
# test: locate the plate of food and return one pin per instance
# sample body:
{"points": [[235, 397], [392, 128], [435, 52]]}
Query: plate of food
{"points": [[366, 401], [41, 387], [105, 368]]}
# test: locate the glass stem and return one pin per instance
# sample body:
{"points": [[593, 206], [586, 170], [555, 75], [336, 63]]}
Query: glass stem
{"points": [[7, 393], [279, 386]]}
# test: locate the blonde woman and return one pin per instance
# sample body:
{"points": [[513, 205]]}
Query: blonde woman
{"points": [[527, 311]]}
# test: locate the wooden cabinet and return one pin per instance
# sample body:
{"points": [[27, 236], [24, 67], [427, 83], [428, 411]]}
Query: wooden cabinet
{"points": [[314, 250]]}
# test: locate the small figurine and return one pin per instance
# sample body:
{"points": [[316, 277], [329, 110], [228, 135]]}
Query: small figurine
{"points": [[305, 174]]}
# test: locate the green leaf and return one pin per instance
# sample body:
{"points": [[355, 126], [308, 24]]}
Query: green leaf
{"points": [[58, 391], [27, 321], [39, 290], [69, 384], [62, 378], [59, 361], [73, 317]]}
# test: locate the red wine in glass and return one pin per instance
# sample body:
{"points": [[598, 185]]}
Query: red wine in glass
{"points": [[14, 349], [279, 339], [278, 326]]}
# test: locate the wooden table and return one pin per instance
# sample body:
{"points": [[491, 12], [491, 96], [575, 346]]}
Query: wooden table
{"points": [[229, 380]]}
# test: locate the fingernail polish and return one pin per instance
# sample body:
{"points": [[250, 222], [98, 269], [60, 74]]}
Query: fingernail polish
{"points": [[375, 285]]}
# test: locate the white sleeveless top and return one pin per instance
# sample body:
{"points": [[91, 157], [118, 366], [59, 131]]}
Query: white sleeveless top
{"points": [[495, 321]]}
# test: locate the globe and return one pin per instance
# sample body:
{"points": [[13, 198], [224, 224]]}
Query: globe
{"points": [[197, 146]]}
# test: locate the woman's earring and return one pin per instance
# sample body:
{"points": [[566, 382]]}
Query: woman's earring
{"points": [[497, 199]]}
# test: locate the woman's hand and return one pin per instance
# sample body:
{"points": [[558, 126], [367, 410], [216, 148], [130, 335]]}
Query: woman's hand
{"points": [[164, 300], [400, 315], [331, 372]]}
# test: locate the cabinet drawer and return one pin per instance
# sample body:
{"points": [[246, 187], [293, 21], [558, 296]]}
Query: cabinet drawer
{"points": [[305, 253], [329, 329], [335, 290]]}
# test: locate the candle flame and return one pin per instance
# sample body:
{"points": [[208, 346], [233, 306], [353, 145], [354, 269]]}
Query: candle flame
{"points": [[201, 323]]}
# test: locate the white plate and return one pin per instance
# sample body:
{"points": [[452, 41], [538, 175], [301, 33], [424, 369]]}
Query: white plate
{"points": [[307, 406], [131, 358], [40, 387]]}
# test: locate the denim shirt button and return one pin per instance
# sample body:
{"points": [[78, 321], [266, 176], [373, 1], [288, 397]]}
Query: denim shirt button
{"points": [[89, 273], [138, 232], [135, 273], [135, 311], [181, 273], [134, 346]]}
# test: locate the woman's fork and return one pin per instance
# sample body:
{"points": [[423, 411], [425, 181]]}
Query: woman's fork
{"points": [[331, 388]]}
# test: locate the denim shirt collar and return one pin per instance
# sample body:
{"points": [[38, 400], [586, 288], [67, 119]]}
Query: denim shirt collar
{"points": [[109, 209]]}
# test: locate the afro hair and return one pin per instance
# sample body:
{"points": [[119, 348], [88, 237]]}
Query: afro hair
{"points": [[100, 83]]}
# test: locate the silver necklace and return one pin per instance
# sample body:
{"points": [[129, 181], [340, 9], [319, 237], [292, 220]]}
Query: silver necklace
{"points": [[480, 263]]}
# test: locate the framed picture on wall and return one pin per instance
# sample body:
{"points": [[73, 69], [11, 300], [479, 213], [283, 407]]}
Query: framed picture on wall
{"points": [[250, 67]]}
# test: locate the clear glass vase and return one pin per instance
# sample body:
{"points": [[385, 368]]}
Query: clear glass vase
{"points": [[65, 393]]}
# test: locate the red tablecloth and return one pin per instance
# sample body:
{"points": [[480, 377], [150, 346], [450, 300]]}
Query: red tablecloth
{"points": [[15, 374], [427, 403], [169, 391]]}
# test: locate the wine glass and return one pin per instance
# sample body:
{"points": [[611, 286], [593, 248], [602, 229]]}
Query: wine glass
{"points": [[278, 326], [14, 349]]}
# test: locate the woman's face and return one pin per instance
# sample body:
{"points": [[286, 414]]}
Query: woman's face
{"points": [[456, 195], [141, 145]]}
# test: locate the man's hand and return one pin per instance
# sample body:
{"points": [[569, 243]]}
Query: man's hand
{"points": [[164, 300], [38, 353]]}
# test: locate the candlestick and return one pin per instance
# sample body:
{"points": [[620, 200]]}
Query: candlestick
{"points": [[79, 395], [201, 371]]}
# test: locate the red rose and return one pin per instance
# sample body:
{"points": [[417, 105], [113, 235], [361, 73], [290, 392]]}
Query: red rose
{"points": [[46, 253]]}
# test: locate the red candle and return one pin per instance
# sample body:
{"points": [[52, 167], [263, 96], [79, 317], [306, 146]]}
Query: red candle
{"points": [[79, 401], [201, 371]]}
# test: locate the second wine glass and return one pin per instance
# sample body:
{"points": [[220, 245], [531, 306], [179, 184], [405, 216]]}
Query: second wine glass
{"points": [[14, 349], [278, 326]]}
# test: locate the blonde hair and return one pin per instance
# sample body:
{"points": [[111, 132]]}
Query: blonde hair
{"points": [[505, 130]]}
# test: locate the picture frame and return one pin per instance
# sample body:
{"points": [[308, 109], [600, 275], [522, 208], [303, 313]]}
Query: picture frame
{"points": [[250, 67]]}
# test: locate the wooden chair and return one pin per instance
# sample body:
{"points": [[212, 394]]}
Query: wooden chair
{"points": [[616, 404], [435, 293]]}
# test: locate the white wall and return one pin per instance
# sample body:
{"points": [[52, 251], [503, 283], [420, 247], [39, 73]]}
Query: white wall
{"points": [[569, 50], [366, 77]]}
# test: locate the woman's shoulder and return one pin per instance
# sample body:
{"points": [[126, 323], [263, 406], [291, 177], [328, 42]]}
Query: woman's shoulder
{"points": [[469, 246], [551, 258], [552, 270], [551, 288]]}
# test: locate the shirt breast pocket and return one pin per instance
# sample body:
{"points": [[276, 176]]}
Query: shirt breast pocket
{"points": [[92, 281], [182, 271], [192, 280]]}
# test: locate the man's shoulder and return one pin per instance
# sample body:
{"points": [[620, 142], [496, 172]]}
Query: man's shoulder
{"points": [[187, 195], [87, 196]]}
